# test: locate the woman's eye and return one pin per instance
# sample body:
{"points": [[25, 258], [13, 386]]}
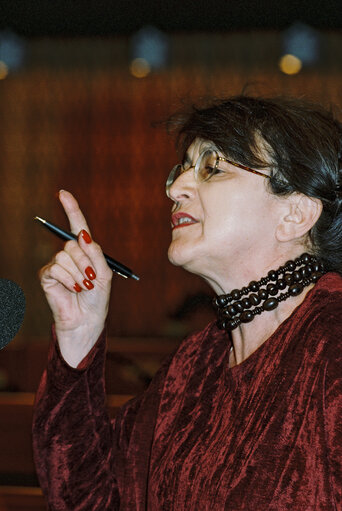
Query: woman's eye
{"points": [[212, 171]]}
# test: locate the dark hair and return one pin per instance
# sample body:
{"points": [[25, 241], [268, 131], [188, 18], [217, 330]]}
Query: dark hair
{"points": [[303, 143]]}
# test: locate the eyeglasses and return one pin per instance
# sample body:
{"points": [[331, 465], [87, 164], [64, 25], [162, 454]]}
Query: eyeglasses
{"points": [[206, 166]]}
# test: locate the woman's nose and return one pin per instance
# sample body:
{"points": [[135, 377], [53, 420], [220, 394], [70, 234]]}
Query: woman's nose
{"points": [[183, 187]]}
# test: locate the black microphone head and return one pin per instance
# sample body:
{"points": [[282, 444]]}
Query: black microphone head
{"points": [[12, 310]]}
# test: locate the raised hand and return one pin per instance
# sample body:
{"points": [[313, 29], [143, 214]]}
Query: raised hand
{"points": [[77, 286]]}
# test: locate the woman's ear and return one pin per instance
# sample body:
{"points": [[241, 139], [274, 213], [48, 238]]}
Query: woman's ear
{"points": [[299, 215]]}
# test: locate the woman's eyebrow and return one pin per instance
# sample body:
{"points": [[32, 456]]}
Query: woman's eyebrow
{"points": [[207, 146], [186, 158]]}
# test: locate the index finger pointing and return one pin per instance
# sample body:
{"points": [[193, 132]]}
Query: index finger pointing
{"points": [[75, 216]]}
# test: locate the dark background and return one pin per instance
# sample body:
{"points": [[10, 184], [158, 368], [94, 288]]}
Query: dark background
{"points": [[34, 18]]}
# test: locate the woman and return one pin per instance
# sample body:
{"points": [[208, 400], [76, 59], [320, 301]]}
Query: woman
{"points": [[242, 417]]}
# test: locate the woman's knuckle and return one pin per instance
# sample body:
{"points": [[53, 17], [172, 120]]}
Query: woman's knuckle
{"points": [[54, 270], [60, 257], [70, 245], [42, 272], [108, 274], [96, 247]]}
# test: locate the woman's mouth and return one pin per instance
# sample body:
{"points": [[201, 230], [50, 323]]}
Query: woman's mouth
{"points": [[182, 220]]}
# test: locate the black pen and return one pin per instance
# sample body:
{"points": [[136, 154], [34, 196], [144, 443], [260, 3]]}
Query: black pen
{"points": [[119, 268]]}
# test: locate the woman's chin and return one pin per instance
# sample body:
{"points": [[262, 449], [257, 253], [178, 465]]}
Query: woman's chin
{"points": [[182, 256], [177, 254], [174, 256]]}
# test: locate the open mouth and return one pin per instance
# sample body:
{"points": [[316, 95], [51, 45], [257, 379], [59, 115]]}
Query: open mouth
{"points": [[182, 220]]}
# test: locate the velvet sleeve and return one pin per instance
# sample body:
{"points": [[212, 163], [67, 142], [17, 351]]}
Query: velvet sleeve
{"points": [[76, 445], [333, 420]]}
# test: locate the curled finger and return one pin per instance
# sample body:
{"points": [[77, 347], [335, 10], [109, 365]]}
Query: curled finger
{"points": [[54, 274], [80, 264]]}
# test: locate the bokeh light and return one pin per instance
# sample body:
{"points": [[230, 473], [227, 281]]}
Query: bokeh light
{"points": [[3, 70], [140, 68], [290, 64]]}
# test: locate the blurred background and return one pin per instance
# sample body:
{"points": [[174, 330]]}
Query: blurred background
{"points": [[85, 90]]}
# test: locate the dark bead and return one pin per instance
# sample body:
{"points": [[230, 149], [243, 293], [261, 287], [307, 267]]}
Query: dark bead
{"points": [[246, 317], [244, 291], [272, 275], [231, 309], [295, 289], [246, 303], [299, 260], [238, 306], [253, 286], [254, 299], [316, 267], [220, 301], [304, 272], [306, 258], [226, 314], [236, 294], [270, 304], [221, 324], [272, 289], [281, 284], [296, 276], [263, 294], [288, 278], [309, 269], [315, 276], [290, 265], [232, 324]]}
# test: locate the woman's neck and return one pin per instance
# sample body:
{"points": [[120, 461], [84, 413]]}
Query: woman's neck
{"points": [[247, 338], [253, 312]]}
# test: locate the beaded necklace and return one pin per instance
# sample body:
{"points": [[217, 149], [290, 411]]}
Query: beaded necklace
{"points": [[242, 305]]}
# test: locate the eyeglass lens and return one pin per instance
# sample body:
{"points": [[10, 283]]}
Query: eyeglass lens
{"points": [[205, 167]]}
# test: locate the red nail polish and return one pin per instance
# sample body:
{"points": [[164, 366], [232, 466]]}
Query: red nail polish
{"points": [[85, 236], [77, 287], [88, 284], [90, 273]]}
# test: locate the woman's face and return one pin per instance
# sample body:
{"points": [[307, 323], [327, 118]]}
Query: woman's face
{"points": [[231, 224]]}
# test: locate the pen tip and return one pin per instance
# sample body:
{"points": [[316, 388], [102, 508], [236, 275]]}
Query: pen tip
{"points": [[135, 277], [39, 219]]}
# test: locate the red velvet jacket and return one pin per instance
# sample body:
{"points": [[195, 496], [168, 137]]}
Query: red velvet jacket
{"points": [[263, 435]]}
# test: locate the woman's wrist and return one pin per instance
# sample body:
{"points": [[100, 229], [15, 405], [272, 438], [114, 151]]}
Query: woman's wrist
{"points": [[74, 345]]}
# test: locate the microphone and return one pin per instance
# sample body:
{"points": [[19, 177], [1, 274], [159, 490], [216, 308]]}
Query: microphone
{"points": [[12, 310]]}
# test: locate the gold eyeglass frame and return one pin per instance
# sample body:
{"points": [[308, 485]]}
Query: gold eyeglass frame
{"points": [[170, 180]]}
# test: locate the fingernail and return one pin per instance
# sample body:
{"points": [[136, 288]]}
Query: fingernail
{"points": [[90, 273], [58, 193], [88, 284], [85, 236], [77, 287]]}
